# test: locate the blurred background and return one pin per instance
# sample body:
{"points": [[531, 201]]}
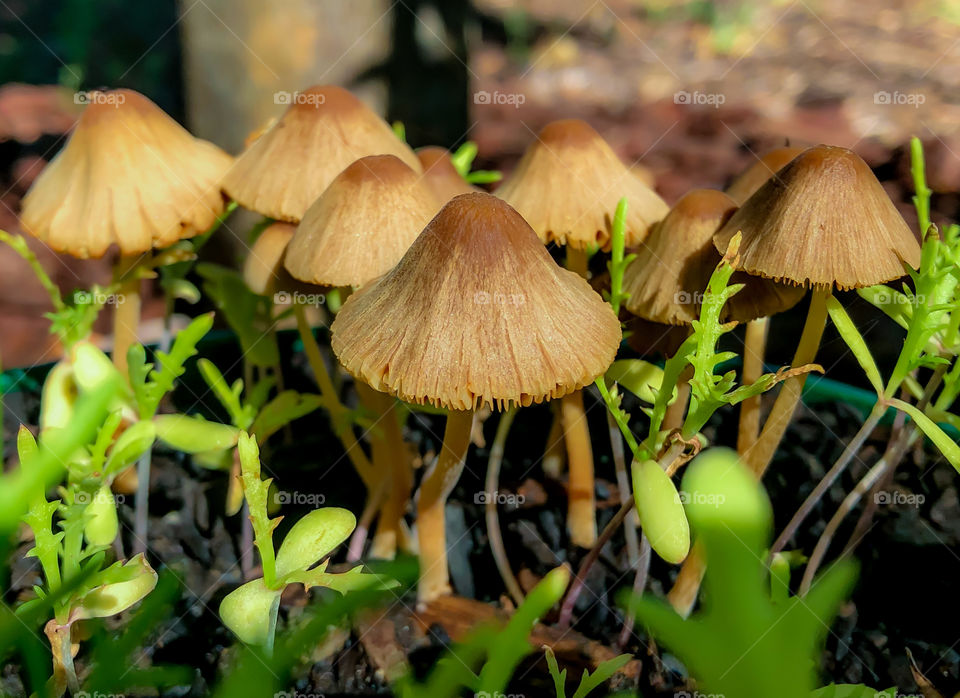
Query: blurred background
{"points": [[690, 90]]}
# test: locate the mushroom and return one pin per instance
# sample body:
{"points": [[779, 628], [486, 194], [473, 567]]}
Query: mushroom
{"points": [[129, 176], [667, 279], [292, 162], [766, 166], [476, 313], [263, 269], [358, 230], [567, 186], [440, 176], [823, 221]]}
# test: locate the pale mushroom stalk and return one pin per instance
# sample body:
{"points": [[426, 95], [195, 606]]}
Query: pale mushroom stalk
{"points": [[754, 346], [431, 505], [394, 466], [126, 314], [758, 457]]}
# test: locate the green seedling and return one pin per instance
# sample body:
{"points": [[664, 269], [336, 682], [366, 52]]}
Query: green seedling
{"points": [[744, 642], [251, 610], [588, 682], [462, 159]]}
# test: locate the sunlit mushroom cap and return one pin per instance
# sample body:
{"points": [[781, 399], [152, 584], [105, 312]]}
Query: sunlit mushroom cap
{"points": [[324, 129], [476, 312], [361, 225], [263, 268], [667, 280], [568, 183], [751, 179], [128, 175], [823, 220], [440, 176]]}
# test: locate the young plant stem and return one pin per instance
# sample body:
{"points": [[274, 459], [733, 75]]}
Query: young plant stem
{"points": [[431, 504], [492, 484], [758, 457], [639, 584], [66, 651], [676, 412], [581, 506], [246, 543], [400, 476], [328, 394], [754, 347], [623, 485], [126, 313], [573, 593], [141, 512], [851, 450]]}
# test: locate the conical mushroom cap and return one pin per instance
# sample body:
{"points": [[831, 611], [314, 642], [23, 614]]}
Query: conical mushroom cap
{"points": [[325, 129], [476, 312], [263, 268], [568, 183], [667, 279], [751, 179], [823, 220], [440, 176], [128, 175], [361, 225]]}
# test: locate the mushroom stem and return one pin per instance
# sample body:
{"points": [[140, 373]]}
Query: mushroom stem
{"points": [[683, 594], [554, 455], [126, 314], [754, 346], [490, 507], [434, 490], [328, 394], [395, 468], [581, 507], [758, 457]]}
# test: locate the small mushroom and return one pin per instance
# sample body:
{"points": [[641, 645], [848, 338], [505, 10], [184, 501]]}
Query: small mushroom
{"points": [[128, 176], [476, 313], [440, 176], [263, 270], [361, 225], [823, 221], [567, 186], [292, 162]]}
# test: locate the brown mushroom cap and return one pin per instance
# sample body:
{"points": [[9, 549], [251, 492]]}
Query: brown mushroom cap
{"points": [[263, 268], [667, 280], [567, 186], [361, 225], [128, 175], [325, 129], [476, 312], [823, 220], [751, 179], [440, 176]]}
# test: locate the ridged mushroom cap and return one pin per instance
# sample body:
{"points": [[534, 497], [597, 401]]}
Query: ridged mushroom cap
{"points": [[130, 176], [292, 162], [667, 279], [263, 267], [440, 176], [824, 220], [567, 186], [476, 312], [767, 165], [361, 225]]}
